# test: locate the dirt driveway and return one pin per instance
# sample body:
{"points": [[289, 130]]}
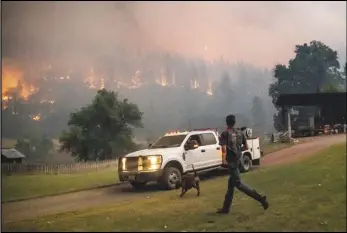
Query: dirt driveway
{"points": [[22, 210]]}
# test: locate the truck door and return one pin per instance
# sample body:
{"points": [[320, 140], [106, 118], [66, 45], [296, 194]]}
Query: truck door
{"points": [[256, 148], [213, 150], [195, 156]]}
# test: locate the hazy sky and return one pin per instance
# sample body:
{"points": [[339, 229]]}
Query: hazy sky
{"points": [[260, 33]]}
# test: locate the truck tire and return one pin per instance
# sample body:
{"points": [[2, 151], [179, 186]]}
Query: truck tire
{"points": [[171, 176], [245, 164], [138, 185]]}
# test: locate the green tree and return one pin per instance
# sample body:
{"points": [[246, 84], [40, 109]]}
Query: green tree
{"points": [[331, 88], [36, 148], [24, 147], [103, 129], [258, 115], [314, 66], [42, 146]]}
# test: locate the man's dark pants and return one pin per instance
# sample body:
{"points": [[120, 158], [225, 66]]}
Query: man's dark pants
{"points": [[235, 181]]}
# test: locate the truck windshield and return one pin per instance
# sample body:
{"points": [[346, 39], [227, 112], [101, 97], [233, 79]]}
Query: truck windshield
{"points": [[168, 141]]}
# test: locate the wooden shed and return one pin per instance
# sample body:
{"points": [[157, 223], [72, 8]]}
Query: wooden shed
{"points": [[11, 156]]}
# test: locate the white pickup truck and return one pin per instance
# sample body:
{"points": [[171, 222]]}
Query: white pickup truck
{"points": [[173, 154]]}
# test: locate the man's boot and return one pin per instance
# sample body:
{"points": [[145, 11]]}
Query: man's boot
{"points": [[264, 202], [226, 206], [222, 211], [255, 195]]}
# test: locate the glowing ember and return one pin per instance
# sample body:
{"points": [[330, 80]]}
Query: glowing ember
{"points": [[209, 89], [162, 81], [36, 117], [102, 86], [90, 79], [194, 84], [135, 81]]}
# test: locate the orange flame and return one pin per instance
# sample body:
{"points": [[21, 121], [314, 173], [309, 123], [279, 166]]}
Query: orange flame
{"points": [[11, 77], [36, 117]]}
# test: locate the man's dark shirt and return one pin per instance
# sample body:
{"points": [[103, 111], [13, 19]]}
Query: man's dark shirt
{"points": [[233, 150]]}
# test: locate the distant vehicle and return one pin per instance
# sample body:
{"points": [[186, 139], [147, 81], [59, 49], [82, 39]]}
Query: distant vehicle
{"points": [[173, 154]]}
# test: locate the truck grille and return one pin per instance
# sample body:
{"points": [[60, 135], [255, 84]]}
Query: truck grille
{"points": [[132, 164]]}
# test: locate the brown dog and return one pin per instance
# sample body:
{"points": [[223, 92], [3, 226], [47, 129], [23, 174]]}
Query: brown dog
{"points": [[189, 181]]}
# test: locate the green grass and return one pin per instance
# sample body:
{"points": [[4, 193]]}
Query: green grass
{"points": [[26, 186], [307, 196]]}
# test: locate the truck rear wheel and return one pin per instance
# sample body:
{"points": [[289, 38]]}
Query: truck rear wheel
{"points": [[246, 163], [171, 176]]}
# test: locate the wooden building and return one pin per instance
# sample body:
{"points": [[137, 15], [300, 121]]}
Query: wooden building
{"points": [[11, 156]]}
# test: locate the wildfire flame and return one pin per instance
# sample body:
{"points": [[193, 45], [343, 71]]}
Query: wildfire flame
{"points": [[36, 117], [93, 80], [12, 76], [209, 89], [194, 83], [162, 80], [90, 79]]}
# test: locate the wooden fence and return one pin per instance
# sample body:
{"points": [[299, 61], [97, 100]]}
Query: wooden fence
{"points": [[22, 168]]}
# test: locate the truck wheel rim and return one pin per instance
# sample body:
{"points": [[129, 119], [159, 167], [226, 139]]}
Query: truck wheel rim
{"points": [[173, 178], [246, 163]]}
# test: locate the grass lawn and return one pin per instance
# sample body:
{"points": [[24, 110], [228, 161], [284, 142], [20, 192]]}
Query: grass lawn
{"points": [[307, 196], [25, 186]]}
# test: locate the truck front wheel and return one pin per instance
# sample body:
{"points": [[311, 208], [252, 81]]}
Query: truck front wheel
{"points": [[171, 176]]}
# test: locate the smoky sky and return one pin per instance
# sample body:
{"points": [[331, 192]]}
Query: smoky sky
{"points": [[258, 33]]}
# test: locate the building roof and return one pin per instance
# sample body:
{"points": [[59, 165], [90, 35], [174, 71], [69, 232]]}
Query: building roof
{"points": [[12, 153], [312, 99]]}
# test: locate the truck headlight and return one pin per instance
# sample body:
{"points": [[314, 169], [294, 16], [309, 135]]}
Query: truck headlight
{"points": [[155, 162], [123, 164], [150, 163]]}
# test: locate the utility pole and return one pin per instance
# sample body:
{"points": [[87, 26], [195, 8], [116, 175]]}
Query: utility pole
{"points": [[289, 125]]}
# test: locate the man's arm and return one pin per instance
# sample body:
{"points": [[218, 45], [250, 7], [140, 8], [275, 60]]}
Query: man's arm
{"points": [[223, 144], [224, 152]]}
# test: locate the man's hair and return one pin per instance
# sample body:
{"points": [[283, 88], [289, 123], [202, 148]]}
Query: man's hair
{"points": [[230, 120]]}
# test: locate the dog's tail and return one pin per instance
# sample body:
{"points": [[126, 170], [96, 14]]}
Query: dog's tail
{"points": [[195, 174]]}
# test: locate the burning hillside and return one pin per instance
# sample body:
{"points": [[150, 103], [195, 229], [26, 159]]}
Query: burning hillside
{"points": [[12, 78], [15, 80]]}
